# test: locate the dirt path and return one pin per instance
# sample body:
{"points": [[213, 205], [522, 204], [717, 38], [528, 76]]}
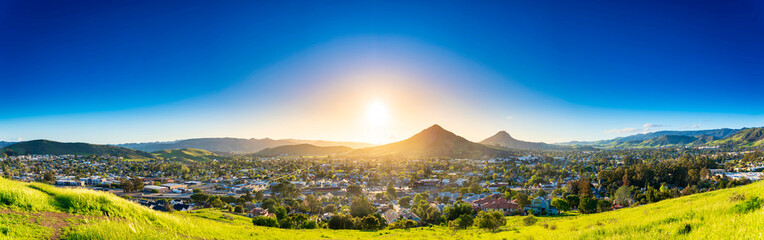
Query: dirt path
{"points": [[52, 220]]}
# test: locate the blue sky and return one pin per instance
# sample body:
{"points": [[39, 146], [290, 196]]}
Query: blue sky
{"points": [[111, 72]]}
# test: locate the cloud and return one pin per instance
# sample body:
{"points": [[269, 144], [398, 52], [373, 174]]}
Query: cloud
{"points": [[695, 125], [509, 117], [651, 125], [623, 130]]}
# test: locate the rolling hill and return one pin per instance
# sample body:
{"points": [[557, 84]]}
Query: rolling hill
{"points": [[58, 148], [40, 211], [186, 154], [303, 149], [749, 137], [639, 138], [435, 142], [503, 139], [234, 145]]}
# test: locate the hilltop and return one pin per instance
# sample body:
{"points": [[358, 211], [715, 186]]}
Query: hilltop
{"points": [[42, 147], [435, 142], [303, 149], [503, 139], [39, 211], [749, 137], [186, 154]]}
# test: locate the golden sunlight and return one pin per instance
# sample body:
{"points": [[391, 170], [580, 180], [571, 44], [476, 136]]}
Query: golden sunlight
{"points": [[376, 113]]}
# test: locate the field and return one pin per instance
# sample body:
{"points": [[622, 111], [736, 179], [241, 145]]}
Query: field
{"points": [[39, 211]]}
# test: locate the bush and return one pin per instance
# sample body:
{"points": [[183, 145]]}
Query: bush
{"points": [[749, 205], [737, 197], [341, 221], [462, 222], [238, 209], [403, 223], [490, 220], [529, 220], [309, 225], [368, 223], [265, 221]]}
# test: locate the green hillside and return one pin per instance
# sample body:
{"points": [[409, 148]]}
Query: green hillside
{"points": [[39, 211], [749, 137], [303, 149], [42, 147], [186, 154]]}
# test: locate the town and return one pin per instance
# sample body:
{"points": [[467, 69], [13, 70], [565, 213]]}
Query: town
{"points": [[341, 192]]}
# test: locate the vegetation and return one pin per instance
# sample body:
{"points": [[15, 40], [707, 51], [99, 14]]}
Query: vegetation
{"points": [[42, 147], [709, 215], [187, 155]]}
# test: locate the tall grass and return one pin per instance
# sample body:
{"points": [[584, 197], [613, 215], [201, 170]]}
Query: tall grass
{"points": [[702, 216]]}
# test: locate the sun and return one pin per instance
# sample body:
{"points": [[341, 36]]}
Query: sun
{"points": [[376, 113]]}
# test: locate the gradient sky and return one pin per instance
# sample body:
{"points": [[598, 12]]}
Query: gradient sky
{"points": [[553, 71]]}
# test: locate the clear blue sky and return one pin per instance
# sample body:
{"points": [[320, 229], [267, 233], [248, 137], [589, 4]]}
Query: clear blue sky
{"points": [[113, 72]]}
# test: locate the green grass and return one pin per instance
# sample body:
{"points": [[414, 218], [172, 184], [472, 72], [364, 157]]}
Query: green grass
{"points": [[702, 216], [187, 154]]}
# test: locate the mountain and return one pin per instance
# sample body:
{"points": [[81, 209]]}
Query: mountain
{"points": [[303, 149], [322, 143], [657, 139], [186, 154], [4, 143], [58, 148], [435, 142], [503, 139], [234, 145], [748, 137]]}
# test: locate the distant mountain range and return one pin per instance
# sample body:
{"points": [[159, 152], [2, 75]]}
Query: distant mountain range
{"points": [[735, 138], [435, 142], [235, 145], [42, 147], [303, 149]]}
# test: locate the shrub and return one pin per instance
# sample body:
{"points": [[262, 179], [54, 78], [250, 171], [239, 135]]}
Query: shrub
{"points": [[341, 221], [403, 223], [265, 221], [749, 205], [737, 197], [686, 229], [490, 220], [368, 223], [462, 222], [529, 220]]}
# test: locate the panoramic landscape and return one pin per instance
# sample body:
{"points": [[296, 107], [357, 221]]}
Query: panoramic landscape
{"points": [[381, 120]]}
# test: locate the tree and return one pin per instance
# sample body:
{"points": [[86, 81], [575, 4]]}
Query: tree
{"points": [[49, 177], [587, 205], [340, 221], [405, 202], [137, 183], [458, 209], [572, 200], [126, 185], [584, 187], [369, 223], [354, 190], [622, 196], [265, 221], [238, 209], [269, 203], [361, 207], [522, 199], [405, 223], [490, 220], [285, 189], [199, 197], [462, 222], [560, 204], [603, 205], [331, 208], [391, 193], [217, 203]]}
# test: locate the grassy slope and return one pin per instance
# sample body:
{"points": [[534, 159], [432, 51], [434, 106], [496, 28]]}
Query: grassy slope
{"points": [[751, 137], [59, 148], [708, 214], [186, 154]]}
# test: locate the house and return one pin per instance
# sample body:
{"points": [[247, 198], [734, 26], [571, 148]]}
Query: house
{"points": [[69, 182], [391, 216], [154, 188], [182, 207], [540, 206], [500, 204], [406, 214], [174, 186], [256, 212]]}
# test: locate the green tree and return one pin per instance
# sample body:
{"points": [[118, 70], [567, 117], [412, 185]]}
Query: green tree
{"points": [[492, 220], [462, 222], [405, 202], [354, 190], [265, 221], [49, 177], [391, 193], [622, 196], [361, 207], [572, 200], [587, 205], [331, 208], [560, 204], [369, 223]]}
